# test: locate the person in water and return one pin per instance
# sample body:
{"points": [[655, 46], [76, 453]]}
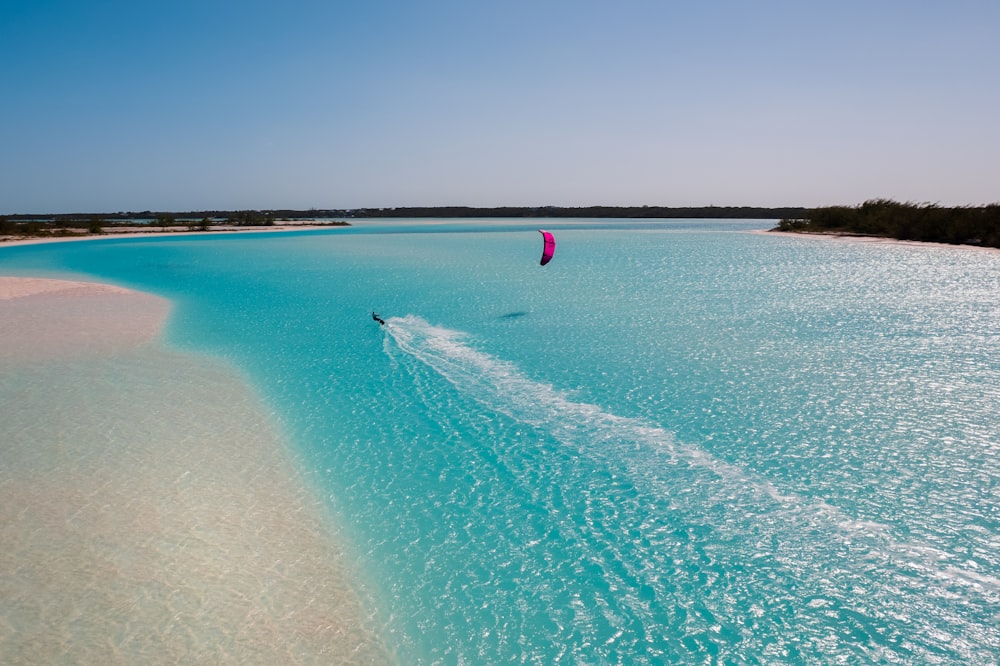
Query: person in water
{"points": [[381, 322]]}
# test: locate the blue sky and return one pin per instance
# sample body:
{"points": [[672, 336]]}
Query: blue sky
{"points": [[115, 105]]}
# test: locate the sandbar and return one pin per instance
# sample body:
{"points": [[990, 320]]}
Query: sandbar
{"points": [[150, 509], [152, 231], [873, 240]]}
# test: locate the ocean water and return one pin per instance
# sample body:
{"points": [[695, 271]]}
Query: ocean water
{"points": [[679, 442]]}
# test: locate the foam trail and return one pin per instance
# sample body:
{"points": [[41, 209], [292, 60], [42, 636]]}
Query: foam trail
{"points": [[646, 449], [501, 386]]}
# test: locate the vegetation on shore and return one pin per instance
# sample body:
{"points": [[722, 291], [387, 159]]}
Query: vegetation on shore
{"points": [[65, 225], [75, 224], [965, 225], [634, 212], [256, 217]]}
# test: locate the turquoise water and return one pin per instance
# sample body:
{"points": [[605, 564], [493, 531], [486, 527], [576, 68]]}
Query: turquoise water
{"points": [[678, 442]]}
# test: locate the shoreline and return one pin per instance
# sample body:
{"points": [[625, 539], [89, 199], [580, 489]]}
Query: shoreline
{"points": [[24, 287], [150, 509], [63, 320], [145, 232], [871, 240]]}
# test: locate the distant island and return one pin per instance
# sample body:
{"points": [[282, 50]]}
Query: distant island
{"points": [[76, 224], [81, 224], [634, 212], [965, 225]]}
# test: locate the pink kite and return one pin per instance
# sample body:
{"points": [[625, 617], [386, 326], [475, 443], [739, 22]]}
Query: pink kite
{"points": [[550, 246]]}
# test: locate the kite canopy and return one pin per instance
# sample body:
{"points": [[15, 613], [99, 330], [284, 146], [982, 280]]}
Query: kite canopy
{"points": [[550, 246]]}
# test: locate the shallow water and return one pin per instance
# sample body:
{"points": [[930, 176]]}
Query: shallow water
{"points": [[149, 510], [676, 442]]}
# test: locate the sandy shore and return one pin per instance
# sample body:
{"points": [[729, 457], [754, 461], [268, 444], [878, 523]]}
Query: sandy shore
{"points": [[20, 287], [871, 240], [149, 510], [41, 319], [153, 232]]}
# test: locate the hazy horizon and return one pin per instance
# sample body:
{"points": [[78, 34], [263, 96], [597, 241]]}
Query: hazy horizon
{"points": [[182, 211]]}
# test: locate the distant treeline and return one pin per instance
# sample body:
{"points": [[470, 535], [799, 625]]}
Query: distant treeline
{"points": [[261, 216], [700, 212], [72, 224], [68, 224], [238, 217], [966, 225]]}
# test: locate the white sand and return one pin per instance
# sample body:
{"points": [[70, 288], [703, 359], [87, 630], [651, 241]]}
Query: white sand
{"points": [[19, 287], [154, 231], [872, 240], [149, 511], [56, 318]]}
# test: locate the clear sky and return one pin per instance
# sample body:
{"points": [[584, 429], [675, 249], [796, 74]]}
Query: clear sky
{"points": [[132, 105]]}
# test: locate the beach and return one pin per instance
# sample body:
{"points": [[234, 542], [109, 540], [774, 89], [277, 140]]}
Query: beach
{"points": [[152, 231], [150, 510], [873, 240]]}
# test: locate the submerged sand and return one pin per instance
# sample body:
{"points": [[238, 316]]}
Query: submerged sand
{"points": [[59, 319], [149, 510]]}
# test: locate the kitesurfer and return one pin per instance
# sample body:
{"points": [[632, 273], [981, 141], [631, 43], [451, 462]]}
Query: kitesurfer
{"points": [[381, 322]]}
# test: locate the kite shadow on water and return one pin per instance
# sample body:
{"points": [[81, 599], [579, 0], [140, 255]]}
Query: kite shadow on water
{"points": [[514, 315]]}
